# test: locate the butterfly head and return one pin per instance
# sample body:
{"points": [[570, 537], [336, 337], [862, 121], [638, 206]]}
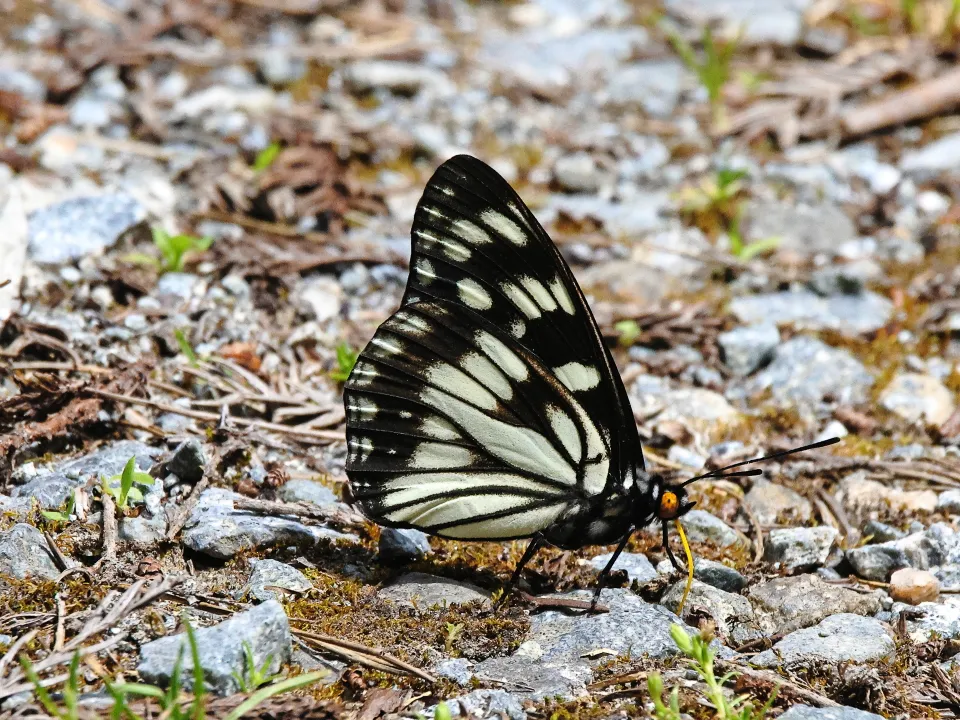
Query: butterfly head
{"points": [[672, 502]]}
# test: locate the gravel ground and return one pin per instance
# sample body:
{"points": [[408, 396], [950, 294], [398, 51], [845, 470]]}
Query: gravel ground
{"points": [[205, 210]]}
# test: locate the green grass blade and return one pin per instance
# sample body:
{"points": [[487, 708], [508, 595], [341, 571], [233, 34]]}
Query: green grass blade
{"points": [[270, 691]]}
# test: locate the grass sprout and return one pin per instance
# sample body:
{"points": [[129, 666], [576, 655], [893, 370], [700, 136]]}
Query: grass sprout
{"points": [[346, 359], [174, 250], [712, 67], [123, 486]]}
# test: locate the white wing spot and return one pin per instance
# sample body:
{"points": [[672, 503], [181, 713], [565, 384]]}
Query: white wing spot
{"points": [[539, 292], [361, 448], [362, 409], [457, 383], [505, 226], [438, 428], [516, 211], [470, 232], [363, 374], [425, 271], [566, 430], [451, 248], [487, 374], [438, 455], [505, 358], [473, 294], [521, 300], [562, 296], [392, 348], [413, 324], [577, 376], [518, 328]]}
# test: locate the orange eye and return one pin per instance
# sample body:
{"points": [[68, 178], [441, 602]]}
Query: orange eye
{"points": [[669, 503]]}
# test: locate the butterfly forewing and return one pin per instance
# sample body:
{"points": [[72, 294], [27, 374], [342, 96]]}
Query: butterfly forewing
{"points": [[477, 244], [457, 430], [487, 406]]}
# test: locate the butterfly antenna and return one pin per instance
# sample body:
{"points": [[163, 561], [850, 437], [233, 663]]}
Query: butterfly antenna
{"points": [[721, 472]]}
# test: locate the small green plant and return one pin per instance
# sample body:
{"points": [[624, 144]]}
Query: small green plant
{"points": [[713, 69], [746, 251], [266, 157], [185, 347], [174, 250], [122, 486], [64, 514], [252, 676], [715, 203], [442, 712], [453, 634], [628, 332], [661, 711], [70, 692], [346, 359], [700, 658]]}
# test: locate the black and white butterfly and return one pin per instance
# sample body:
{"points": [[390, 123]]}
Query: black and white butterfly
{"points": [[488, 407]]}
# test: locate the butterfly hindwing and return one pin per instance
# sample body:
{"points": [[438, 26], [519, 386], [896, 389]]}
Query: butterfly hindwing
{"points": [[458, 430], [475, 243]]}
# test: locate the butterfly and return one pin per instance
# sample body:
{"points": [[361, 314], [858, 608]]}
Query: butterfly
{"points": [[488, 407]]}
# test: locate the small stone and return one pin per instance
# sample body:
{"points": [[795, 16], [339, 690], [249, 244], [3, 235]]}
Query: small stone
{"points": [[310, 491], [323, 295], [654, 85], [920, 550], [796, 548], [732, 613], [402, 545], [179, 285], [789, 603], [457, 669], [845, 279], [578, 173], [941, 154], [877, 532], [538, 680], [806, 229], [632, 625], [850, 315], [806, 712], [949, 501], [636, 565], [264, 630], [216, 529], [701, 526], [485, 704], [914, 586], [861, 495], [805, 370], [189, 461], [398, 77], [771, 503], [711, 572], [269, 574], [753, 22], [425, 591], [916, 397], [24, 553], [73, 229], [836, 639], [746, 349]]}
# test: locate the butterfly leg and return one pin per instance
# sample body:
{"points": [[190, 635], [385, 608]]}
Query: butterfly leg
{"points": [[536, 542], [666, 546], [605, 573]]}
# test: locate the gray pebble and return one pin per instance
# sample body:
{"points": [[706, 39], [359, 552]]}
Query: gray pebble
{"points": [[264, 629]]}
